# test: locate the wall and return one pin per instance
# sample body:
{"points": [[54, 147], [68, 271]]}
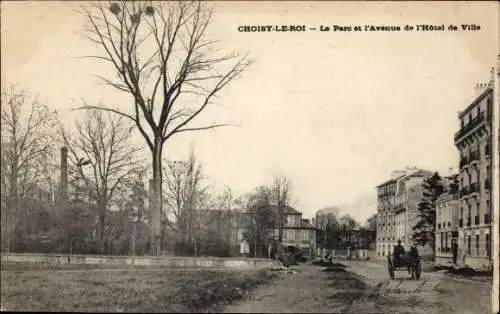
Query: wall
{"points": [[208, 262], [353, 254]]}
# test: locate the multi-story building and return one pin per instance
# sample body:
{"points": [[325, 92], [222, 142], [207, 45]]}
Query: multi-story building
{"points": [[397, 208], [474, 142], [298, 233], [386, 237], [447, 221]]}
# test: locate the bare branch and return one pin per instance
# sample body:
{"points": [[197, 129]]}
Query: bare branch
{"points": [[162, 54], [87, 107], [209, 127], [27, 142]]}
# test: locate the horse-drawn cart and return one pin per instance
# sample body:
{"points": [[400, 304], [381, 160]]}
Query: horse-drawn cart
{"points": [[407, 261]]}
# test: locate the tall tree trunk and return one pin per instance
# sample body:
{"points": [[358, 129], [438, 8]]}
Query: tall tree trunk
{"points": [[156, 197], [280, 230], [134, 237], [102, 220]]}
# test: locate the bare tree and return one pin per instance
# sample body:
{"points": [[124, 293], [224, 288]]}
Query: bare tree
{"points": [[133, 201], [281, 194], [348, 224], [186, 199], [328, 227], [102, 142], [225, 200], [27, 129], [164, 60], [261, 220]]}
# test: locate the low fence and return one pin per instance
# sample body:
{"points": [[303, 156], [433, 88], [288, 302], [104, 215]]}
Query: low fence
{"points": [[358, 254], [207, 262]]}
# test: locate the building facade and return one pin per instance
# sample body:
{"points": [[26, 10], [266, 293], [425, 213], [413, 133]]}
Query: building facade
{"points": [[298, 233], [447, 221], [397, 204], [386, 237], [474, 141]]}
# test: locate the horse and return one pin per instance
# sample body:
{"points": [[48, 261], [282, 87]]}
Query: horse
{"points": [[412, 258]]}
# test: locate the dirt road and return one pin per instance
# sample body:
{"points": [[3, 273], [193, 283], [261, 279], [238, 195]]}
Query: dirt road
{"points": [[364, 287], [306, 291]]}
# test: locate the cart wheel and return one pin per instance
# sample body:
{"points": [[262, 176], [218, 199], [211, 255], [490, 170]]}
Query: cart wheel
{"points": [[418, 270]]}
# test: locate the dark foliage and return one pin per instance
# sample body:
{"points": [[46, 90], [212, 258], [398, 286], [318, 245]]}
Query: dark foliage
{"points": [[454, 185], [260, 222], [424, 229]]}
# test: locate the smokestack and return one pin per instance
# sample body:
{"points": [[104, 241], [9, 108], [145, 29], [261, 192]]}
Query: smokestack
{"points": [[63, 188]]}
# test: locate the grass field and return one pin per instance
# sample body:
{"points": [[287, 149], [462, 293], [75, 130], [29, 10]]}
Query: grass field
{"points": [[38, 288]]}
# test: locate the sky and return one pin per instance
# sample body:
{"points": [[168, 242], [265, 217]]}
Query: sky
{"points": [[335, 112]]}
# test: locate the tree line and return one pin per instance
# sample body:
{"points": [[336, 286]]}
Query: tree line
{"points": [[162, 57], [339, 232], [107, 207]]}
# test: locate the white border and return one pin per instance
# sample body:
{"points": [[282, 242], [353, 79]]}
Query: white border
{"points": [[495, 190]]}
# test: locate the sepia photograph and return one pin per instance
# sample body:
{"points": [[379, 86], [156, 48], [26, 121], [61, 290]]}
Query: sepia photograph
{"points": [[250, 156]]}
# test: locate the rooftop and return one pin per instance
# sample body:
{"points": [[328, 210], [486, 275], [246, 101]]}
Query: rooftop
{"points": [[287, 210], [387, 183], [462, 113], [407, 173]]}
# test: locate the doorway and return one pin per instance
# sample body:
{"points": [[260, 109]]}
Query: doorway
{"points": [[454, 250]]}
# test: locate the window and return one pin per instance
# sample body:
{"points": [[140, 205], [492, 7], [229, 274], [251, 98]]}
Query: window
{"points": [[468, 245], [478, 209], [477, 244], [487, 243], [478, 111]]}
